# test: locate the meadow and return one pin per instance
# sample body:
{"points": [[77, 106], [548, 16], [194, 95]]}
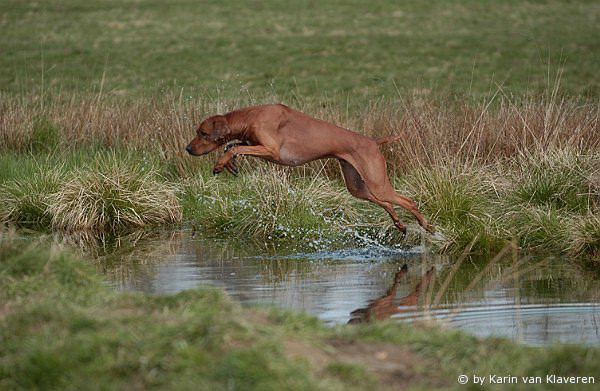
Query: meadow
{"points": [[300, 51], [483, 177], [94, 90], [497, 103]]}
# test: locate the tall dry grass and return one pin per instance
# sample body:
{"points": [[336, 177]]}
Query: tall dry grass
{"points": [[434, 132]]}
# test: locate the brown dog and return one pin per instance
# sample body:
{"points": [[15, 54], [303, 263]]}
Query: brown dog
{"points": [[387, 305], [282, 135]]}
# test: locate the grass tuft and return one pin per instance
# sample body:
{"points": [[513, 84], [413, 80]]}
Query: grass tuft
{"points": [[539, 228], [557, 179], [269, 202], [113, 196], [585, 237], [24, 202], [457, 200]]}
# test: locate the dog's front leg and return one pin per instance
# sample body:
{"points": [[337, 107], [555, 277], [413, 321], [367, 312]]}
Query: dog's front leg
{"points": [[228, 163], [225, 161], [253, 150]]}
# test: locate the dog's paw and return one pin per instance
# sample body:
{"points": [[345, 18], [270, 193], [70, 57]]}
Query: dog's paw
{"points": [[217, 170], [401, 227], [231, 167]]}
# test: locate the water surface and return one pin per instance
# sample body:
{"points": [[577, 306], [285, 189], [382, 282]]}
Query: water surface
{"points": [[535, 300]]}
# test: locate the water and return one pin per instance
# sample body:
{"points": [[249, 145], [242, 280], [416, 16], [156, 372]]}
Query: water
{"points": [[533, 300]]}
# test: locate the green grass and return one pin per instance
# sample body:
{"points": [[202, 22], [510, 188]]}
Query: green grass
{"points": [[114, 196], [301, 50], [459, 201], [113, 193], [25, 202], [275, 204], [45, 136], [559, 179], [472, 88], [79, 329], [61, 326], [118, 191], [98, 99], [586, 237], [552, 203]]}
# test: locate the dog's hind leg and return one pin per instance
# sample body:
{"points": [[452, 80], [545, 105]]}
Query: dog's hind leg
{"points": [[374, 174], [356, 186]]}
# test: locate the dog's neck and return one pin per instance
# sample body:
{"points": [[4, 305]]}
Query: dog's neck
{"points": [[238, 128]]}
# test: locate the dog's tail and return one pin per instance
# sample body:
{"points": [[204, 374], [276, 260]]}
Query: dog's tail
{"points": [[387, 139]]}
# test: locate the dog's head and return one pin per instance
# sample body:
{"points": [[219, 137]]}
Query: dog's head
{"points": [[211, 134]]}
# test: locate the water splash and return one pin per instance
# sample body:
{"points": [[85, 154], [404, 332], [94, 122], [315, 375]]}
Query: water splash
{"points": [[368, 253]]}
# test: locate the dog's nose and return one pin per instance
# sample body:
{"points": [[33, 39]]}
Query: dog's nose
{"points": [[189, 149]]}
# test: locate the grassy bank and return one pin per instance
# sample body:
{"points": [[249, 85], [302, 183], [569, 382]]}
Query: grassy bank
{"points": [[481, 175], [60, 326]]}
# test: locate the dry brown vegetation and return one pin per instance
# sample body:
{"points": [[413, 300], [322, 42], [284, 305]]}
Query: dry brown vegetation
{"points": [[434, 132]]}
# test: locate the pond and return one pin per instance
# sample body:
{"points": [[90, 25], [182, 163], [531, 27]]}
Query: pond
{"points": [[534, 300]]}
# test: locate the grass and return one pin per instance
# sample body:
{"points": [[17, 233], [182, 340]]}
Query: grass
{"points": [[546, 197], [560, 178], [586, 232], [498, 114], [300, 50], [552, 194], [45, 136], [61, 326], [111, 194], [274, 204], [25, 202], [113, 197], [460, 200]]}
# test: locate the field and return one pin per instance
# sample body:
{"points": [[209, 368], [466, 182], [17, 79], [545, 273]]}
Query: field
{"points": [[299, 51], [497, 103]]}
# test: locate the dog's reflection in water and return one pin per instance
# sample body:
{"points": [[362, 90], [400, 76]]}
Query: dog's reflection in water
{"points": [[387, 305]]}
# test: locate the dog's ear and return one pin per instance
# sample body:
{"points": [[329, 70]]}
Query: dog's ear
{"points": [[220, 127]]}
